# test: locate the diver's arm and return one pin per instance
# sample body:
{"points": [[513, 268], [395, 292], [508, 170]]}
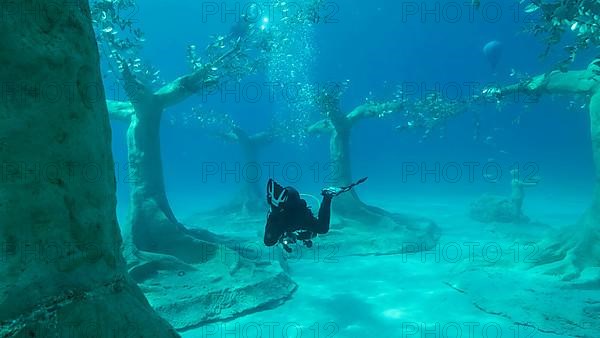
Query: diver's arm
{"points": [[321, 225], [273, 230]]}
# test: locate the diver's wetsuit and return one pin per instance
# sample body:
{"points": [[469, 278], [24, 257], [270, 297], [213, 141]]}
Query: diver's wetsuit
{"points": [[296, 216]]}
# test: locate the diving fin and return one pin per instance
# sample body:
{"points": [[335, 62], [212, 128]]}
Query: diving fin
{"points": [[276, 194], [333, 191]]}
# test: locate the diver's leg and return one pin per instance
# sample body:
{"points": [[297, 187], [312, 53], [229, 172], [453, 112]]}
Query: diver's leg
{"points": [[322, 225]]}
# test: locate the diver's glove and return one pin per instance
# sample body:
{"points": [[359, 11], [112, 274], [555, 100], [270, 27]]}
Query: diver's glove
{"points": [[293, 237], [331, 192]]}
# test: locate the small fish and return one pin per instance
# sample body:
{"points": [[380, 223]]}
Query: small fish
{"points": [[574, 26], [531, 8], [491, 178]]}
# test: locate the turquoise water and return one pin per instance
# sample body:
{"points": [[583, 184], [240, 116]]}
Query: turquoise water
{"points": [[375, 52]]}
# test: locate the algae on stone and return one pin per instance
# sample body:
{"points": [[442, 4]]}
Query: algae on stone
{"points": [[63, 273]]}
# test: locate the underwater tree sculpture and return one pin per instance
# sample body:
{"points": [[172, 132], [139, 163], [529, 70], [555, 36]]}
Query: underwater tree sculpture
{"points": [[63, 273], [250, 199], [575, 249], [154, 227], [518, 192], [191, 256], [348, 206], [190, 276], [432, 112], [497, 209], [153, 224], [339, 126]]}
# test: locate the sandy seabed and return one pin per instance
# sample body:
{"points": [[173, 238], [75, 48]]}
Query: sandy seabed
{"points": [[469, 286]]}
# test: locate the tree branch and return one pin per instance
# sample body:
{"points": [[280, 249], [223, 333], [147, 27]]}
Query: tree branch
{"points": [[190, 84], [229, 136], [556, 82], [120, 111], [321, 127], [184, 87], [262, 138], [373, 110], [238, 135], [135, 89]]}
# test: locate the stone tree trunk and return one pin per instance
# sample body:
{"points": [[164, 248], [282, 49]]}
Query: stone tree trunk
{"points": [[154, 227], [595, 130], [62, 269], [339, 127], [250, 199], [576, 249], [339, 153]]}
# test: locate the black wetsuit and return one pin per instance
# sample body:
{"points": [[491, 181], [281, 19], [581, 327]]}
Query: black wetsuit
{"points": [[296, 216]]}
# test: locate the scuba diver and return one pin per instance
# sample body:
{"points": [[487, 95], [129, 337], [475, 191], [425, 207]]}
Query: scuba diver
{"points": [[290, 219]]}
